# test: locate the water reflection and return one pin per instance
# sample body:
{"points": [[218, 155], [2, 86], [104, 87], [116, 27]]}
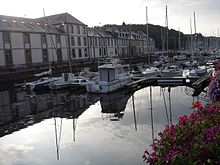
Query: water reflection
{"points": [[21, 109], [113, 105], [69, 128]]}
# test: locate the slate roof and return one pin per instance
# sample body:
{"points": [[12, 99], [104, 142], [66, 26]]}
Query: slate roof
{"points": [[61, 18], [10, 23], [38, 25]]}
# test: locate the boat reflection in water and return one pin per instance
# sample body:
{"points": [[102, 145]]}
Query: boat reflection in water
{"points": [[69, 128], [113, 105]]}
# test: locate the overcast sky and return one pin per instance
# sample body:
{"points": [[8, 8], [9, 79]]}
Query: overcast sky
{"points": [[100, 12]]}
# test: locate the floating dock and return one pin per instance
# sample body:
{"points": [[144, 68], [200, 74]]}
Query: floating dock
{"points": [[165, 81]]}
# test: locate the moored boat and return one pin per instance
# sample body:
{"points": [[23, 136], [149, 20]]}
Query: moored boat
{"points": [[151, 72], [171, 71], [112, 76], [68, 80]]}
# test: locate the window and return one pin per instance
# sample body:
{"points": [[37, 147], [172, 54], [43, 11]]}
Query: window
{"points": [[85, 52], [80, 53], [100, 51], [72, 41], [73, 53], [78, 29], [116, 51], [84, 30], [59, 55], [43, 38], [44, 55], [85, 41], [71, 28], [8, 57], [79, 41], [96, 42], [6, 37], [58, 40], [26, 37], [28, 58]]}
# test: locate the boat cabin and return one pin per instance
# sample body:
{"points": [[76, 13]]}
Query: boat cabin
{"points": [[111, 72]]}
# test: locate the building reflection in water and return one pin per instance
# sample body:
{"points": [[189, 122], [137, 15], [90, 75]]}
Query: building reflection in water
{"points": [[20, 109]]}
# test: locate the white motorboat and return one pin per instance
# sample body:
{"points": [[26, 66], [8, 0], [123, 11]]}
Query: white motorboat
{"points": [[199, 71], [68, 80], [191, 63], [151, 72], [41, 84], [171, 71], [112, 76]]}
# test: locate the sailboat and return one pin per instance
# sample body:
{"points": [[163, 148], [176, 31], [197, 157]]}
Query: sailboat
{"points": [[43, 82], [170, 70]]}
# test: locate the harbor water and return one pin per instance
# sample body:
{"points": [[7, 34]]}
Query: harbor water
{"points": [[66, 128]]}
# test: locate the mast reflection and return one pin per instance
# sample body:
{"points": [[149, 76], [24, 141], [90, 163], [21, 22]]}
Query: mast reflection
{"points": [[19, 109]]}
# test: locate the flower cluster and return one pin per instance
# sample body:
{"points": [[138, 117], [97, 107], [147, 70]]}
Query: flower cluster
{"points": [[195, 139], [214, 86]]}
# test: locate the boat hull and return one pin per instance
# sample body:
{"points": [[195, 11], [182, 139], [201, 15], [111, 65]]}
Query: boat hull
{"points": [[107, 87]]}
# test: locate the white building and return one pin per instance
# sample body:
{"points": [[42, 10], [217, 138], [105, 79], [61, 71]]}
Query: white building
{"points": [[57, 39]]}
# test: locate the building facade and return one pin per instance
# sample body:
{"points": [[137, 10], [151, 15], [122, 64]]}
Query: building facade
{"points": [[62, 38]]}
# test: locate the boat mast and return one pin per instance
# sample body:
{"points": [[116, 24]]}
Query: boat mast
{"points": [[179, 45], [46, 25], [148, 46], [194, 15], [191, 39], [166, 27], [162, 39]]}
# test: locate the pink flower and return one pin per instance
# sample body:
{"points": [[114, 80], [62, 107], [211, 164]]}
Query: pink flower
{"points": [[183, 120]]}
